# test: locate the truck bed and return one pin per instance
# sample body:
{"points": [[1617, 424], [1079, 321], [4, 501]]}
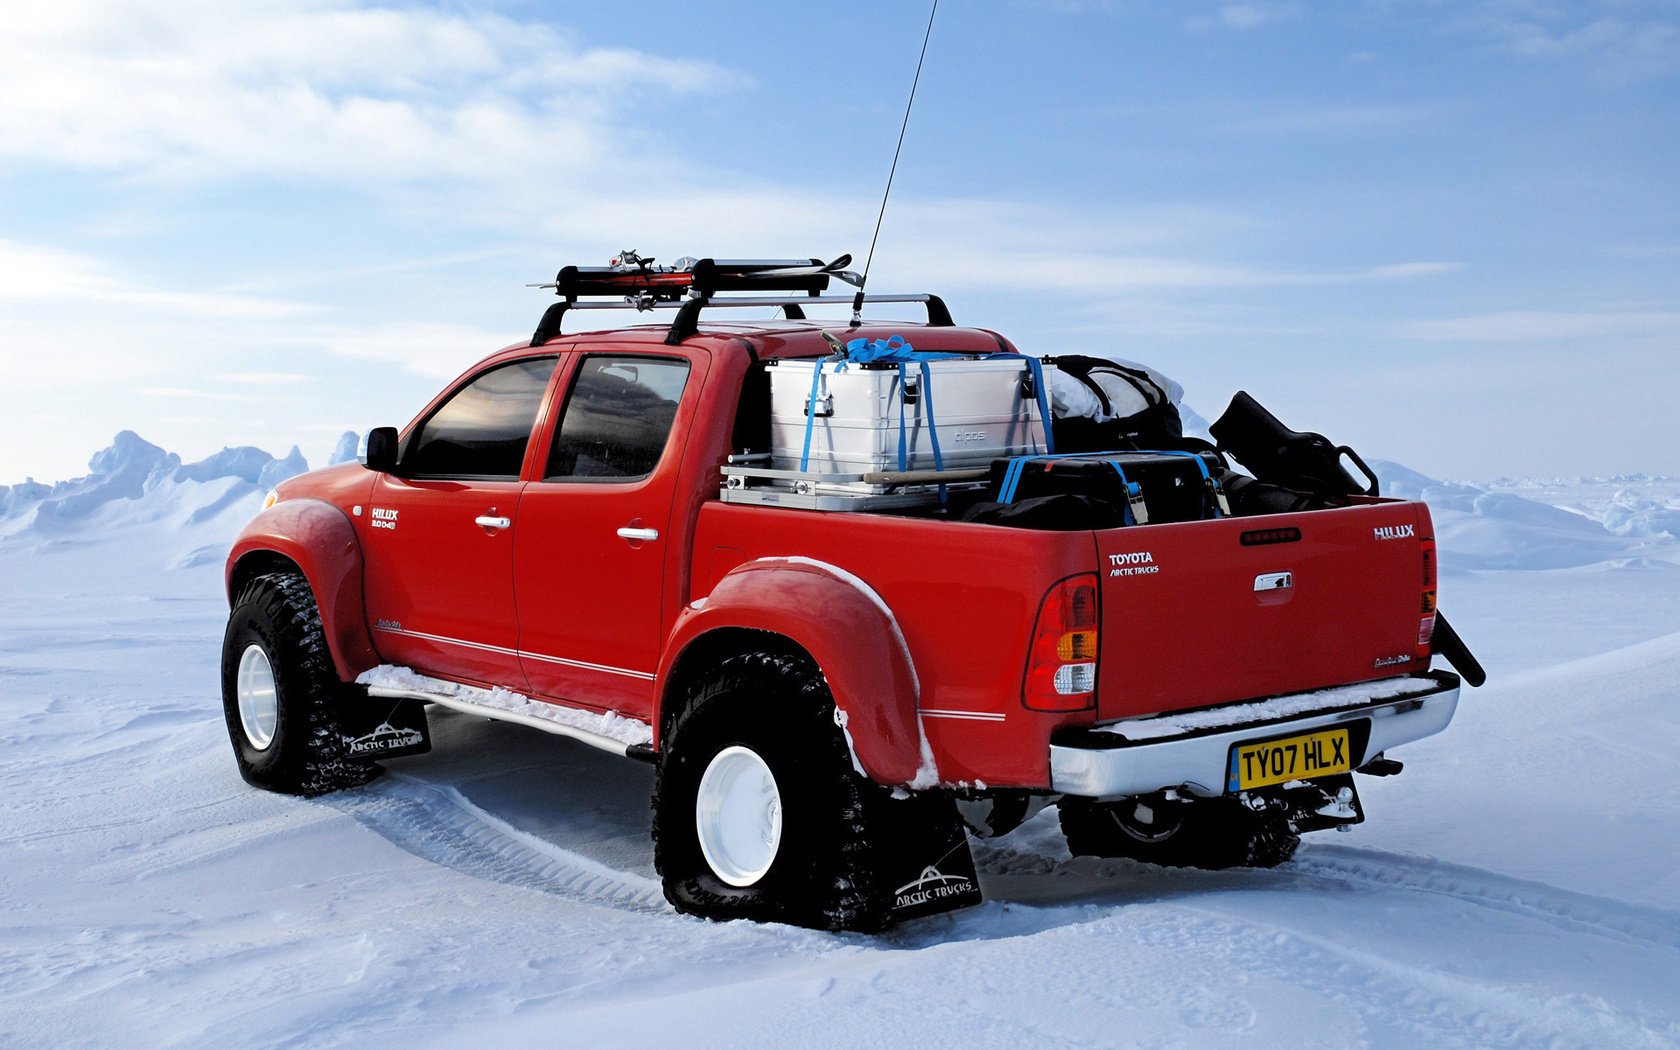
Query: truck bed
{"points": [[1184, 622]]}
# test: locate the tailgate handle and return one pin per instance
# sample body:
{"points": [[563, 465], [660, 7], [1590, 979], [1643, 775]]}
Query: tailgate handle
{"points": [[1273, 581]]}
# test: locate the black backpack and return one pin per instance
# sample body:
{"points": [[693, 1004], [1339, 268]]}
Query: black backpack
{"points": [[1158, 426]]}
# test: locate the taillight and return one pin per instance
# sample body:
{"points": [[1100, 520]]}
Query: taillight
{"points": [[1062, 665], [1426, 618]]}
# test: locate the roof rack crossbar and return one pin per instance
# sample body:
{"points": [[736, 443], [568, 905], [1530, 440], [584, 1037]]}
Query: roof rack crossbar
{"points": [[688, 317], [688, 310]]}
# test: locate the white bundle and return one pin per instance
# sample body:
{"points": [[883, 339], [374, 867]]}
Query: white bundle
{"points": [[1071, 398]]}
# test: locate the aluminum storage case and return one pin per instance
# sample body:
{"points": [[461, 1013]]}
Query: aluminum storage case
{"points": [[983, 408]]}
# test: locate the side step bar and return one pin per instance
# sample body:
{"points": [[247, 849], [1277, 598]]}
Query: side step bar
{"points": [[537, 719]]}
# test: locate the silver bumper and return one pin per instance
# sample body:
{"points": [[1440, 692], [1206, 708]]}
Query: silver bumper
{"points": [[1105, 762]]}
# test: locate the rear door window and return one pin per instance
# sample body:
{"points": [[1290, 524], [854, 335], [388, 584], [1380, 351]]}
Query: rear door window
{"points": [[482, 430], [617, 420]]}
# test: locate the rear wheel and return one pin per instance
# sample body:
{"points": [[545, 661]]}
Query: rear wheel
{"points": [[758, 813], [1199, 833], [280, 693]]}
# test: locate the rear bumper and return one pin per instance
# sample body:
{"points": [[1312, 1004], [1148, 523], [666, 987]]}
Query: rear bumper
{"points": [[1190, 750]]}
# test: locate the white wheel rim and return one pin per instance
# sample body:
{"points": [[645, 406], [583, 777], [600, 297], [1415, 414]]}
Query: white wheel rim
{"points": [[259, 702], [738, 815]]}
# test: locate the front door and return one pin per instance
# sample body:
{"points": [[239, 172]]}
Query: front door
{"points": [[439, 532], [593, 549]]}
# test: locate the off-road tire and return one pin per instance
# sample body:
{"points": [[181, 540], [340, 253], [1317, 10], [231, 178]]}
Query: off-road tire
{"points": [[1203, 833], [307, 754], [822, 874]]}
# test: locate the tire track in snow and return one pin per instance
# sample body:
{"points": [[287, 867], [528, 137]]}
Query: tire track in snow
{"points": [[1439, 1008], [1436, 1006], [439, 824], [1542, 902], [1565, 909]]}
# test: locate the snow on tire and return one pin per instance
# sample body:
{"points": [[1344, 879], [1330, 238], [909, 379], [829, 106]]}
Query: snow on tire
{"points": [[280, 692], [757, 811]]}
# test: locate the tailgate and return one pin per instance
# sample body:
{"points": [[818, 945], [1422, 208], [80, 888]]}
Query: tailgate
{"points": [[1211, 612]]}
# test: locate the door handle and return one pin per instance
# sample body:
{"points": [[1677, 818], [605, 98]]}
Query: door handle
{"points": [[638, 534], [490, 522]]}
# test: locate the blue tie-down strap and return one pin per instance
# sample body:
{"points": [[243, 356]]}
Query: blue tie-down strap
{"points": [[896, 349], [811, 410], [1035, 367], [1012, 475], [1216, 491], [903, 445], [1134, 496], [927, 415], [1017, 466]]}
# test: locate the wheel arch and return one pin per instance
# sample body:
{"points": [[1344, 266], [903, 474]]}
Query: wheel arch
{"points": [[827, 616], [317, 540]]}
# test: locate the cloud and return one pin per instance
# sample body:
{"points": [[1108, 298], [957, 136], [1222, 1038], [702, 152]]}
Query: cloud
{"points": [[1536, 326], [1644, 251], [1411, 270], [1340, 119], [262, 378], [316, 89], [1243, 17], [1619, 39], [439, 350], [40, 275]]}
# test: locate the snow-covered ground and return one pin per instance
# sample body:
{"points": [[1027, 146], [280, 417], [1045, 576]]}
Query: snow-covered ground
{"points": [[1518, 884]]}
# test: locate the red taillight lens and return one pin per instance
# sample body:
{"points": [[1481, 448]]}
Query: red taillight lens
{"points": [[1062, 665], [1426, 620]]}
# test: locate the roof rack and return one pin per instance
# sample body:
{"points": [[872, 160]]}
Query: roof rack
{"points": [[689, 286]]}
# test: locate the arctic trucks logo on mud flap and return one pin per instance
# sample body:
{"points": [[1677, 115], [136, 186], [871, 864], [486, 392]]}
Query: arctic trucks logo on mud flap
{"points": [[933, 885], [1139, 563], [385, 739]]}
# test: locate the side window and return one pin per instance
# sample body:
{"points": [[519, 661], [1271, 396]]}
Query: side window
{"points": [[482, 430], [618, 418]]}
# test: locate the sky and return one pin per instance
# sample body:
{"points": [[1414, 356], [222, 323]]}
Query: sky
{"points": [[1447, 234]]}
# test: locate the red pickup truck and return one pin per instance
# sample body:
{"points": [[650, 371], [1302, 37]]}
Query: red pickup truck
{"points": [[834, 699]]}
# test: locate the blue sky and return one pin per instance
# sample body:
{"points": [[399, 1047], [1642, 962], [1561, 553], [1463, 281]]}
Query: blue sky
{"points": [[1443, 233]]}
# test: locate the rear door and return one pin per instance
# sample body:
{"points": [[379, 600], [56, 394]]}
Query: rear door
{"points": [[595, 544], [1238, 608], [438, 535]]}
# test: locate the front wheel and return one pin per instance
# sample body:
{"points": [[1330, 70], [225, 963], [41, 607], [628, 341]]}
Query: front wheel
{"points": [[758, 813], [280, 694]]}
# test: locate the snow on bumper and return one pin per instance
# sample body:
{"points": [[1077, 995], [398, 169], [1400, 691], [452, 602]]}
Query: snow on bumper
{"points": [[1190, 750]]}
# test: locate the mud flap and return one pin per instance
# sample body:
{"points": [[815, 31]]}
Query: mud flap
{"points": [[925, 856], [385, 728]]}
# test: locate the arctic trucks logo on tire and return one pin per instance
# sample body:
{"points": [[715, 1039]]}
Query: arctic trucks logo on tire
{"points": [[933, 885]]}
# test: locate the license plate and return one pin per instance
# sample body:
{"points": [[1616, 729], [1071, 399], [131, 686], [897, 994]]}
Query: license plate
{"points": [[1301, 757]]}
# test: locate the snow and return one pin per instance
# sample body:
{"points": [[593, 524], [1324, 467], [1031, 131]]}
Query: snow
{"points": [[1516, 885], [1178, 724], [610, 724]]}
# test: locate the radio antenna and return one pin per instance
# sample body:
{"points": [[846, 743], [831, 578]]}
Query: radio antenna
{"points": [[857, 301]]}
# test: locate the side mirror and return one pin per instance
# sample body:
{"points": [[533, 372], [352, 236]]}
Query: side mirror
{"points": [[379, 450]]}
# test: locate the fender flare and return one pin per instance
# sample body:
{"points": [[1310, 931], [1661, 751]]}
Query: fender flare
{"points": [[321, 541], [851, 634]]}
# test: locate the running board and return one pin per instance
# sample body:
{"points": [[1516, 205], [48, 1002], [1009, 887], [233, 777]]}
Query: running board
{"points": [[643, 752]]}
